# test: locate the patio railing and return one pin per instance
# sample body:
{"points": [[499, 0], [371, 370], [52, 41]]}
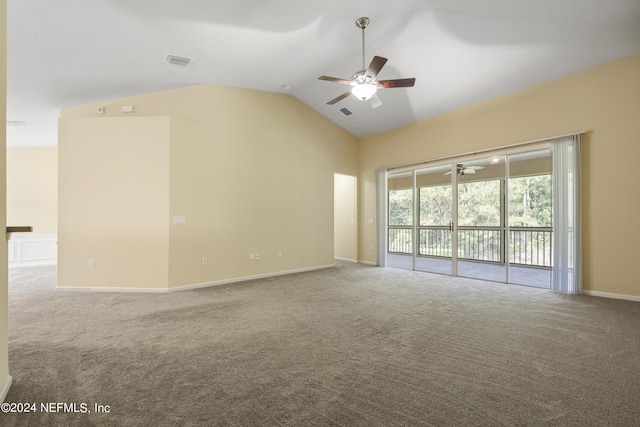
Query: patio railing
{"points": [[527, 245], [531, 246]]}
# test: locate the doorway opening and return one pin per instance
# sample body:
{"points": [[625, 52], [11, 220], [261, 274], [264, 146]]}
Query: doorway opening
{"points": [[345, 212]]}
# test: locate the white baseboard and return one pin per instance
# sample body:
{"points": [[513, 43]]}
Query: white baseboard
{"points": [[368, 262], [612, 295], [355, 261], [196, 285], [245, 278], [5, 388], [111, 289]]}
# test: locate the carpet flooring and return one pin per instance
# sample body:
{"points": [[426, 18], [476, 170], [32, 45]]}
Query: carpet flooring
{"points": [[347, 346]]}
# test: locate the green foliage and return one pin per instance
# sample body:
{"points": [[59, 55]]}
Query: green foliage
{"points": [[479, 203], [530, 201], [401, 207], [435, 205]]}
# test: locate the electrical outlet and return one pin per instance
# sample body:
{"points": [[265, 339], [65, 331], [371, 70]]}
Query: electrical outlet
{"points": [[179, 220], [91, 263], [205, 261], [279, 254]]}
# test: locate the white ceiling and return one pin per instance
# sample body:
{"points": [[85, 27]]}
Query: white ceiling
{"points": [[71, 52]]}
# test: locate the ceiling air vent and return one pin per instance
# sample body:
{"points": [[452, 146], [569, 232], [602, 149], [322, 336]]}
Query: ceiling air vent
{"points": [[182, 61], [346, 111], [18, 123]]}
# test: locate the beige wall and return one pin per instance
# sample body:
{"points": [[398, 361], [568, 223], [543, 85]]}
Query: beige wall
{"points": [[4, 304], [113, 202], [259, 179], [187, 102], [32, 188], [251, 171], [604, 101]]}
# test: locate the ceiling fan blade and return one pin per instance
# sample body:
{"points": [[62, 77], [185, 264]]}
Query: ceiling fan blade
{"points": [[374, 101], [339, 98], [389, 84], [376, 65], [336, 80]]}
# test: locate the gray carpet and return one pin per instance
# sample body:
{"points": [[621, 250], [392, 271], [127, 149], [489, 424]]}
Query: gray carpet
{"points": [[348, 346]]}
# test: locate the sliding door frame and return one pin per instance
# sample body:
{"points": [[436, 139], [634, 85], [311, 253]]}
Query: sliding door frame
{"points": [[452, 162]]}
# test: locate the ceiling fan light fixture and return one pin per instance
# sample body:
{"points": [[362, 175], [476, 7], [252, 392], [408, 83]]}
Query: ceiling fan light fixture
{"points": [[364, 91]]}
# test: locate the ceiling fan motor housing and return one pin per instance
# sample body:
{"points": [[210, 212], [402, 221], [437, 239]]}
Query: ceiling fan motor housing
{"points": [[361, 78]]}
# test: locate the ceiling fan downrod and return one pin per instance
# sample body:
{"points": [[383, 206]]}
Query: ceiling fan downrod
{"points": [[362, 24]]}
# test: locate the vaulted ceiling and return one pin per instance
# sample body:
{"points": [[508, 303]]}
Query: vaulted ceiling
{"points": [[70, 52]]}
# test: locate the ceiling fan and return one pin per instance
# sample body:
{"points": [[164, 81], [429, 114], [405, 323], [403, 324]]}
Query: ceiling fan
{"points": [[364, 83], [465, 170]]}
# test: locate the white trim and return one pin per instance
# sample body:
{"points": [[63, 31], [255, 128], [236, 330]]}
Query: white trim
{"points": [[5, 388], [111, 289], [34, 264], [635, 298], [382, 204], [28, 250], [375, 264], [337, 258], [196, 285]]}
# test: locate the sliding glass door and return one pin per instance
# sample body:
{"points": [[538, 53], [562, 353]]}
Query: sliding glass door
{"points": [[435, 220], [481, 220], [486, 218], [530, 218], [400, 209], [420, 222]]}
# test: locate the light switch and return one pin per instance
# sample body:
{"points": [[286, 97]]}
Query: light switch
{"points": [[179, 220]]}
